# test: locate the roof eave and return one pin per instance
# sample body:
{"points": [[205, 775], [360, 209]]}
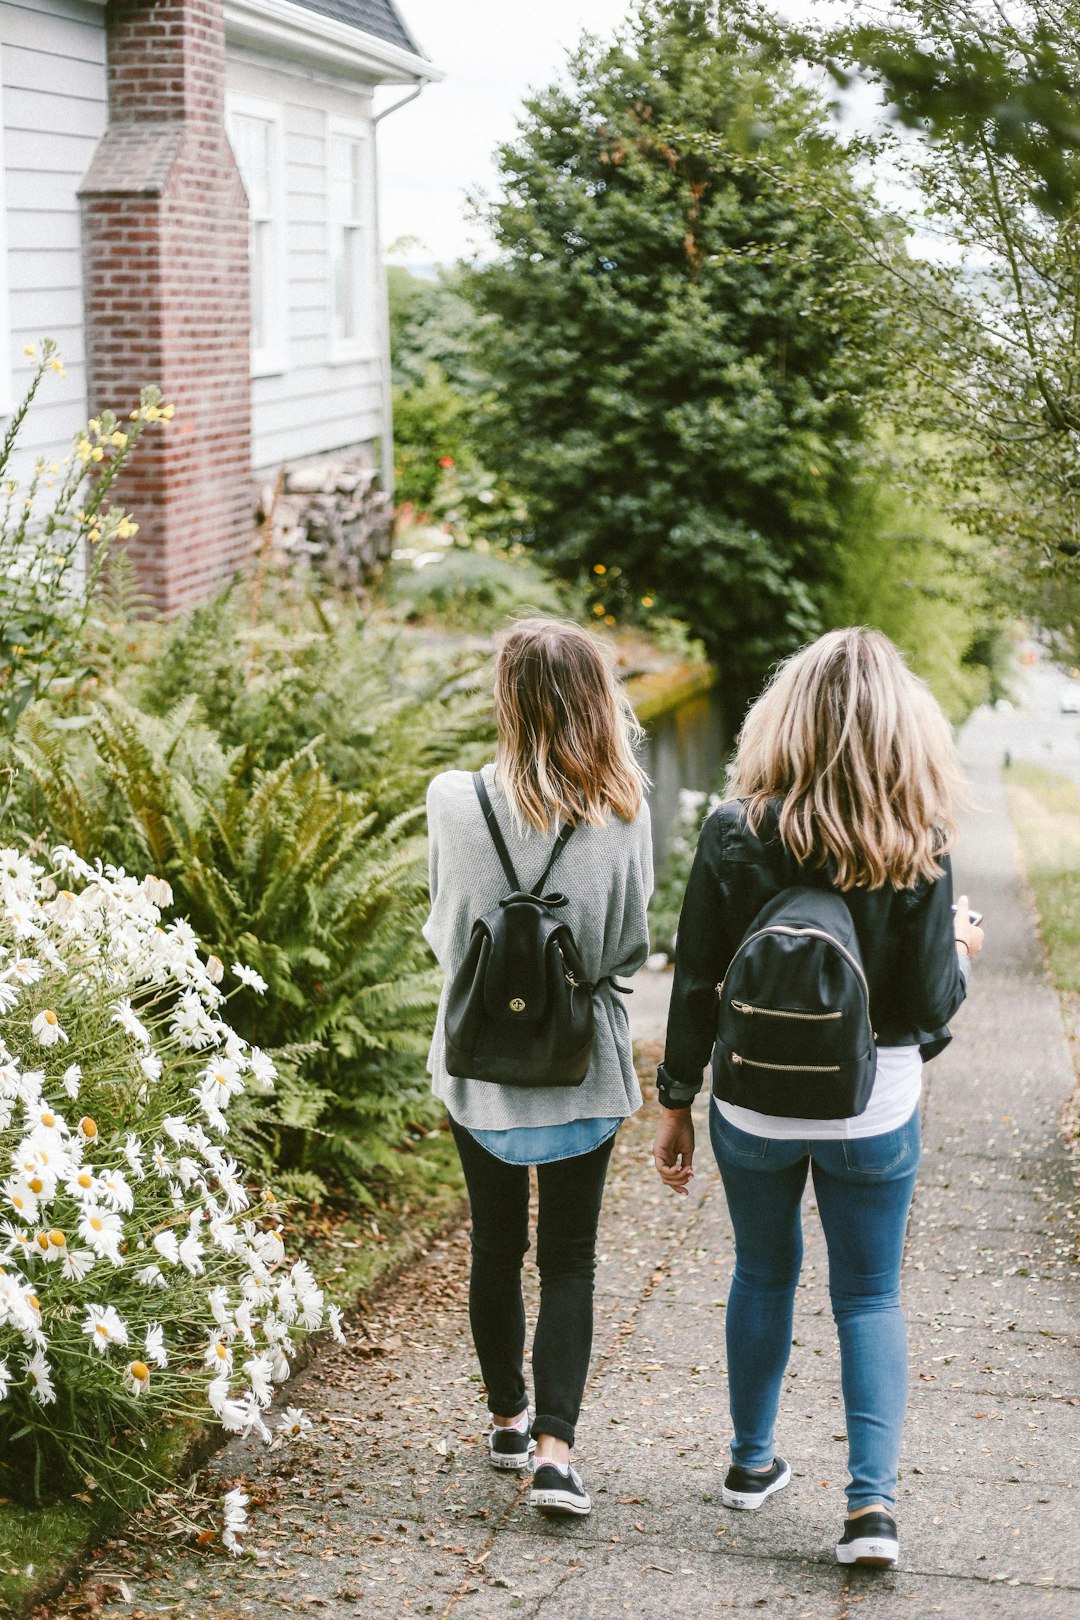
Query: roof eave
{"points": [[285, 28]]}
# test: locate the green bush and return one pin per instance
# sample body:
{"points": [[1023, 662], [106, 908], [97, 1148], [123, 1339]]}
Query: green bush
{"points": [[282, 797]]}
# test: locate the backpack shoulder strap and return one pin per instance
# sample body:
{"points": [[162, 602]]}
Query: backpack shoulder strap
{"points": [[500, 843], [496, 836], [559, 846]]}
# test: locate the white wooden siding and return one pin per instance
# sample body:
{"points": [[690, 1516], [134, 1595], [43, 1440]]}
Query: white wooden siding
{"points": [[52, 61], [315, 404]]}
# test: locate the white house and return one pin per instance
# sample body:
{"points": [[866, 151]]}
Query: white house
{"points": [[256, 300]]}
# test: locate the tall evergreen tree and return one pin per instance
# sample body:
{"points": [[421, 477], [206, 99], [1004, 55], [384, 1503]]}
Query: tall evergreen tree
{"points": [[682, 355]]}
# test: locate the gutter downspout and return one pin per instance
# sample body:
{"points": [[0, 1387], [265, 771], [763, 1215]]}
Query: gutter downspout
{"points": [[386, 444]]}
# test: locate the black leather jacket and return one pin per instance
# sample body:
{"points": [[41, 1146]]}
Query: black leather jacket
{"points": [[913, 968]]}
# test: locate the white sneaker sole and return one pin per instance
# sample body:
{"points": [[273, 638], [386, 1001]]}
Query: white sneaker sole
{"points": [[748, 1501], [516, 1463], [560, 1502], [870, 1550]]}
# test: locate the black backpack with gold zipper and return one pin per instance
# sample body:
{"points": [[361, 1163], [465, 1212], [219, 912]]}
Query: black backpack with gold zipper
{"points": [[794, 1034]]}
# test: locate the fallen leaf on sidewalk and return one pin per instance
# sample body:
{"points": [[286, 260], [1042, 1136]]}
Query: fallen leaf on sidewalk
{"points": [[660, 1568]]}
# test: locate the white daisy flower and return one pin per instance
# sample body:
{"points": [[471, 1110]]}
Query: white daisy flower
{"points": [[218, 1300], [150, 1064], [157, 891], [104, 1326], [155, 1345], [151, 1277], [137, 1377], [167, 1245], [235, 1520], [334, 1314], [103, 1231], [25, 970], [9, 995], [294, 1421], [40, 1376], [114, 1190], [46, 1029], [72, 1077], [218, 1355], [248, 976], [263, 1069], [133, 1155], [77, 1263], [260, 1374], [129, 1023], [5, 1379], [311, 1311]]}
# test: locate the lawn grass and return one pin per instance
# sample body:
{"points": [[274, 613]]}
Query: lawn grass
{"points": [[1046, 814], [352, 1254]]}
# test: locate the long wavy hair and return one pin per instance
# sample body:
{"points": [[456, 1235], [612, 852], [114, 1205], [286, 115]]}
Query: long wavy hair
{"points": [[566, 731], [860, 759]]}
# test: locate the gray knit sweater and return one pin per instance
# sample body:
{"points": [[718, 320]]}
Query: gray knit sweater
{"points": [[606, 875]]}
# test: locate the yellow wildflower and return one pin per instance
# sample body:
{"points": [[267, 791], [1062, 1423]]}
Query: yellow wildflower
{"points": [[151, 412], [599, 609], [118, 439], [599, 568], [609, 618], [30, 351], [93, 426], [126, 528], [168, 412], [646, 601], [84, 450], [94, 534], [97, 453], [57, 365]]}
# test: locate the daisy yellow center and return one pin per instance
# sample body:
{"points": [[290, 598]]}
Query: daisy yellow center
{"points": [[50, 1016], [223, 1354], [35, 1184], [87, 1126], [48, 1120], [95, 1224], [85, 1179], [221, 1079], [42, 1240], [17, 1201], [32, 1299], [139, 1371], [99, 1327], [57, 1239]]}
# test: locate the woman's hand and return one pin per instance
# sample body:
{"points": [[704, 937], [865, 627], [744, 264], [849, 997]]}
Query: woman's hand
{"points": [[673, 1149], [968, 934]]}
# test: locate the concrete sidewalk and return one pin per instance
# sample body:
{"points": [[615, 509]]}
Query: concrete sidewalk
{"points": [[388, 1510]]}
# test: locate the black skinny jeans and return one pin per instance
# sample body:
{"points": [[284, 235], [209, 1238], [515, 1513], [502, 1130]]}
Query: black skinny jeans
{"points": [[571, 1191]]}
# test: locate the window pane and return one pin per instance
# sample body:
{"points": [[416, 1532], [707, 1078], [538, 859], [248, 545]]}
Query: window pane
{"points": [[254, 146], [259, 245]]}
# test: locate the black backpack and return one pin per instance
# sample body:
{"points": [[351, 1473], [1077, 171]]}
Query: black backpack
{"points": [[519, 1010], [794, 1035]]}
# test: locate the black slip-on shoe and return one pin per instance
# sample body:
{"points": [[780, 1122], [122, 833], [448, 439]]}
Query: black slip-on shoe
{"points": [[870, 1539], [744, 1489], [511, 1448], [557, 1490]]}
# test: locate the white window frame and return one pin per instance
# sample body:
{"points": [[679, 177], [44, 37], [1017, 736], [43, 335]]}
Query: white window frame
{"points": [[7, 359], [365, 344], [272, 357]]}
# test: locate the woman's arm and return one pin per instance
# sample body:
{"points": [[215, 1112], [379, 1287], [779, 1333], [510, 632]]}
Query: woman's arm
{"points": [[703, 949], [933, 982]]}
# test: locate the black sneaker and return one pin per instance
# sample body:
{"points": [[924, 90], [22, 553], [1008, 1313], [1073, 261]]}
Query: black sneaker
{"points": [[511, 1447], [870, 1539], [744, 1489], [557, 1490]]}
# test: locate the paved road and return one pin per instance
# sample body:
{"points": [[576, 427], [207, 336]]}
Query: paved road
{"points": [[1032, 729], [389, 1511]]}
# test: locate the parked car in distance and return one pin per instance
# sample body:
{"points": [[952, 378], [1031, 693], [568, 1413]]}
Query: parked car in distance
{"points": [[1069, 699]]}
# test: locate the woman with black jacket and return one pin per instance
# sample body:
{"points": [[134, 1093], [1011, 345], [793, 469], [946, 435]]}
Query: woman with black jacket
{"points": [[843, 780]]}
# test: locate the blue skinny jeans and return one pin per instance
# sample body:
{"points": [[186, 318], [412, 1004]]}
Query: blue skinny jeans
{"points": [[863, 1187]]}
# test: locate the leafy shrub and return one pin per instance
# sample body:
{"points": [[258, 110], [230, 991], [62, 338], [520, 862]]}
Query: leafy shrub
{"points": [[473, 589], [141, 1280], [309, 882], [56, 538], [667, 896]]}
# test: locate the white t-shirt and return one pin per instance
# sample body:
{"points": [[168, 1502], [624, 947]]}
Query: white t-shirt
{"points": [[896, 1093]]}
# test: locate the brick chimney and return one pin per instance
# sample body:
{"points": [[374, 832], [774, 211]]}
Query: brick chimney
{"points": [[165, 260]]}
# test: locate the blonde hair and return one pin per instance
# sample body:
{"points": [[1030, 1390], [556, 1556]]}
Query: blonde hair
{"points": [[566, 731], [860, 757]]}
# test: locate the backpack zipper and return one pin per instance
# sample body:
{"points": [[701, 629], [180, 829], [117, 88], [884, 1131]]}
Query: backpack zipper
{"points": [[776, 1012], [788, 1068], [814, 933]]}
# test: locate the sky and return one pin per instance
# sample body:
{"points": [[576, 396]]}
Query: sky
{"points": [[440, 146]]}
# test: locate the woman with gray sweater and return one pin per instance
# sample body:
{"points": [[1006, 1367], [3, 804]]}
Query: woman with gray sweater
{"points": [[565, 736]]}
